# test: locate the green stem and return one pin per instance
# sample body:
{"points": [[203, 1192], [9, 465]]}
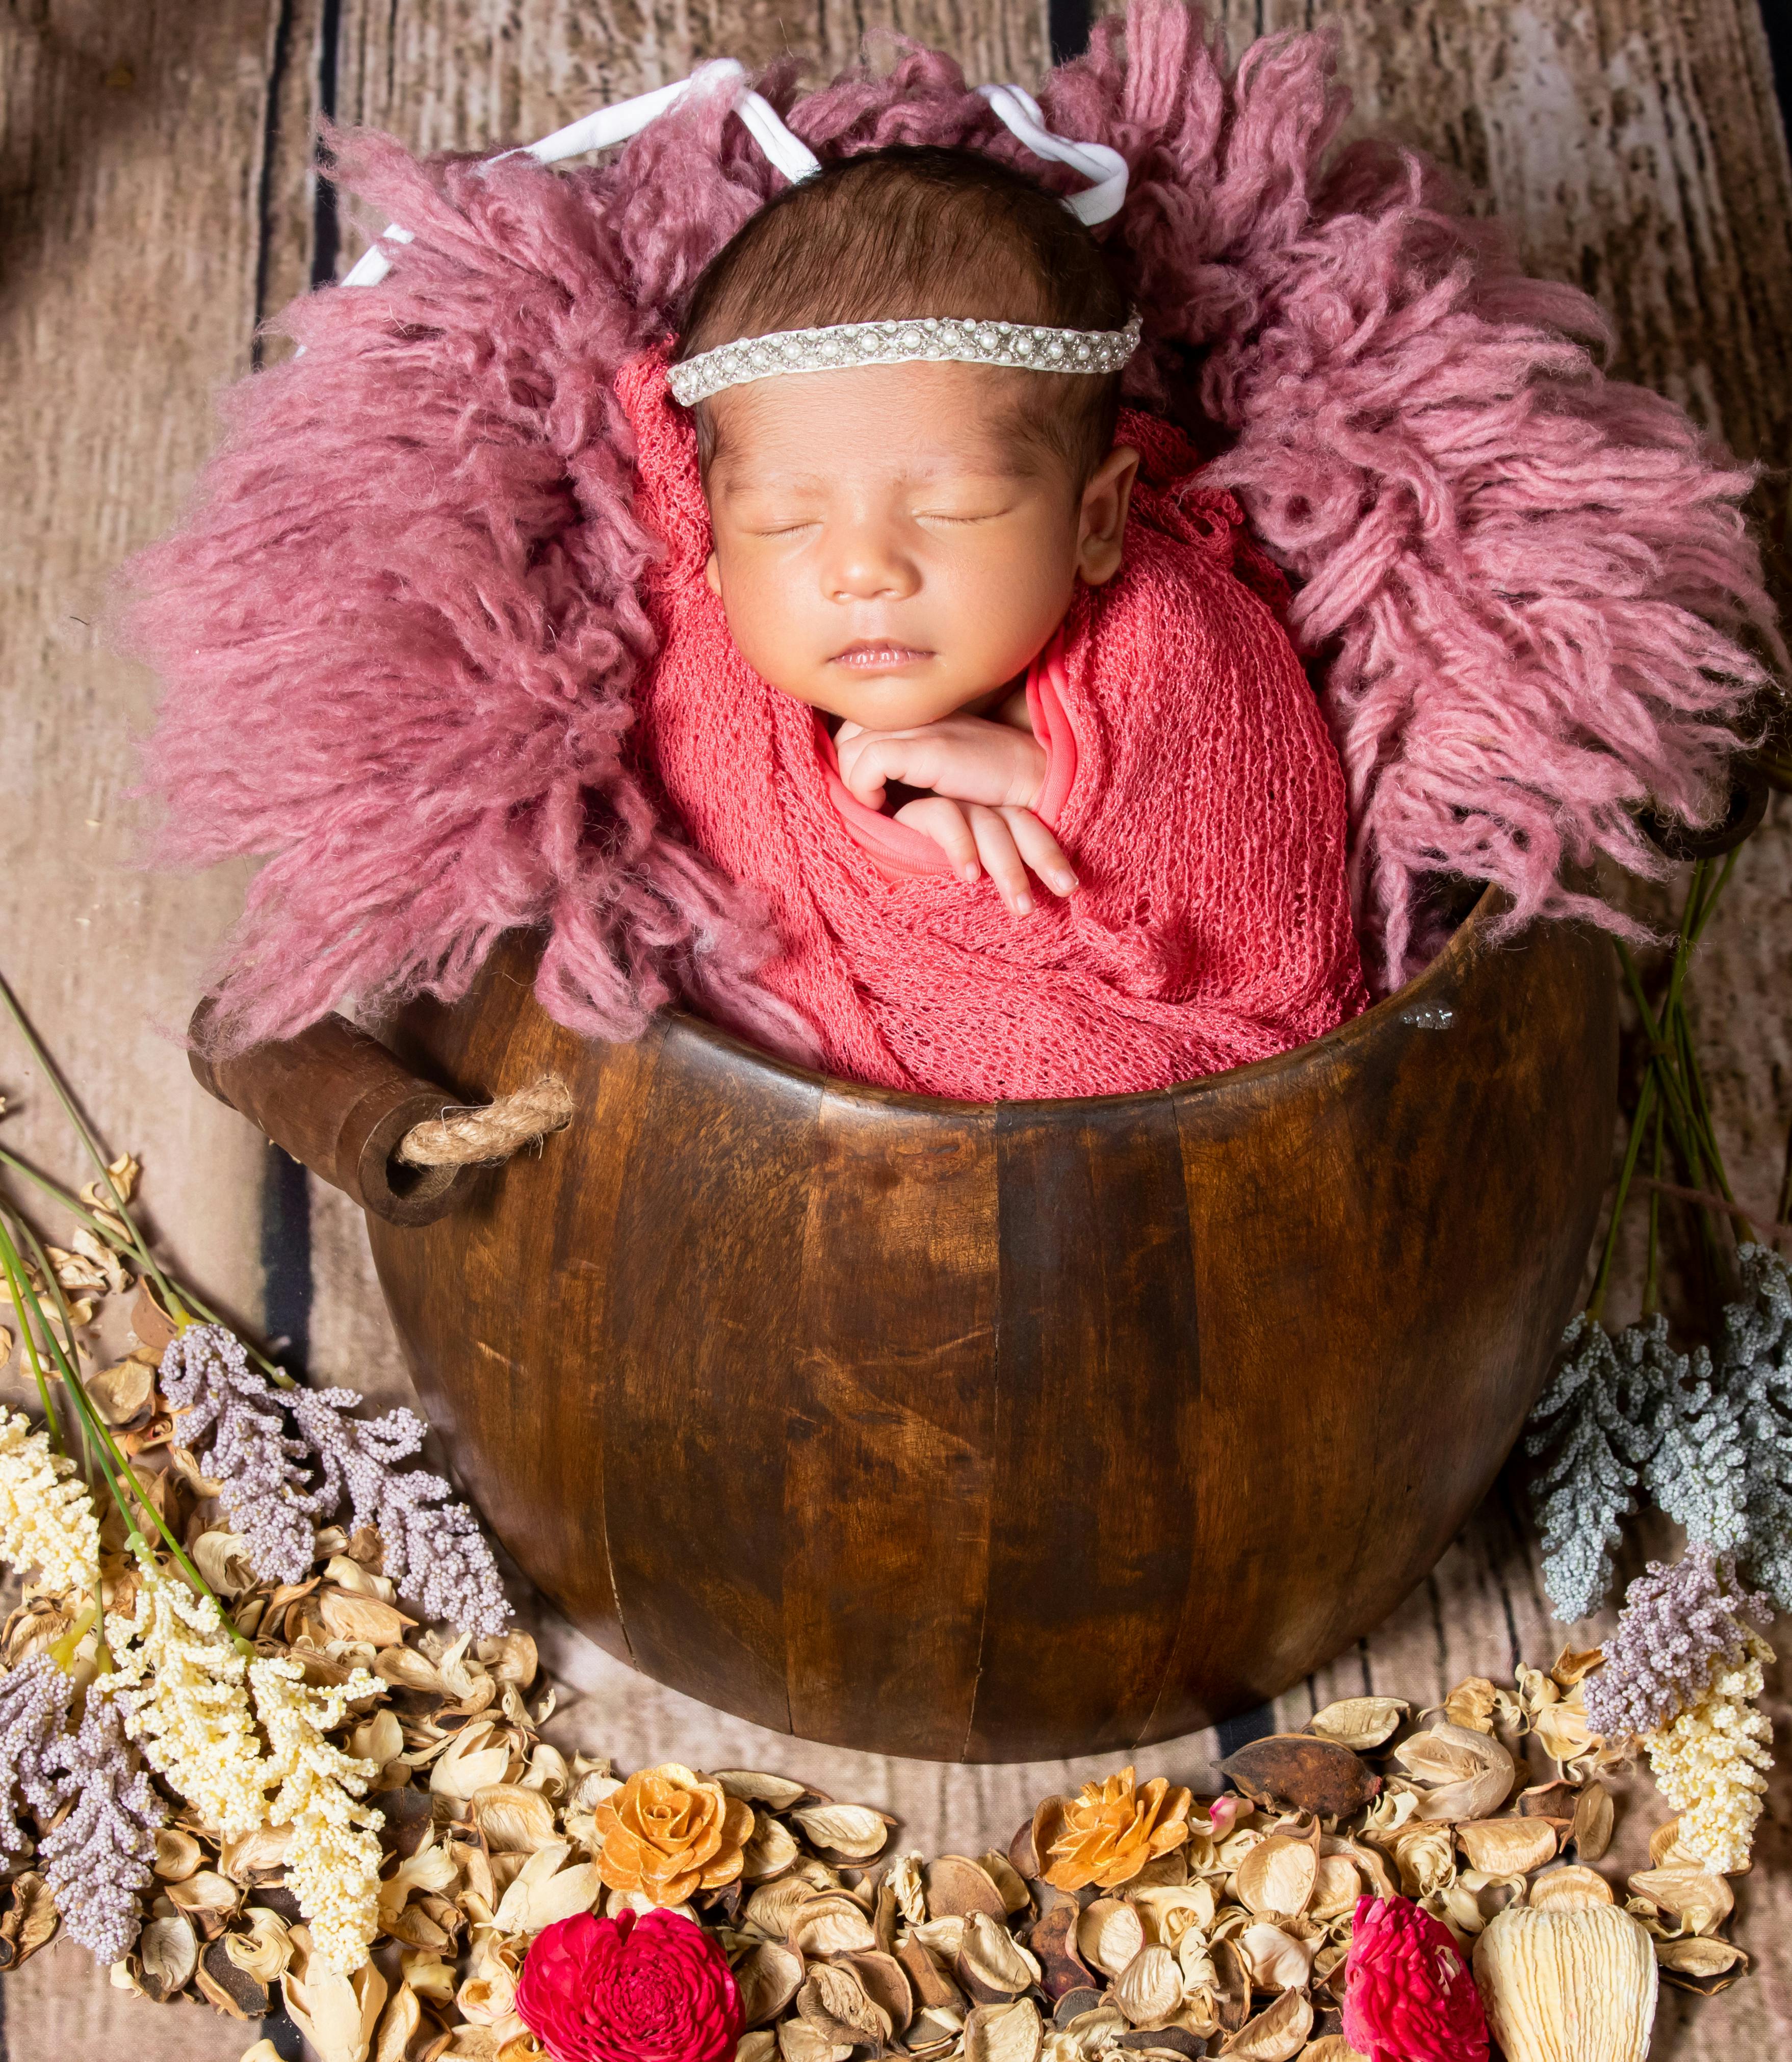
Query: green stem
{"points": [[1649, 1300], [35, 1046], [15, 1283], [1645, 1101], [102, 1229]]}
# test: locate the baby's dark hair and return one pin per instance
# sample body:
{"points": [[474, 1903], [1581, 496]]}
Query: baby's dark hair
{"points": [[915, 229]]}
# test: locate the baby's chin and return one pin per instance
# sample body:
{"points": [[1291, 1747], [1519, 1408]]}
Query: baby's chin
{"points": [[907, 699]]}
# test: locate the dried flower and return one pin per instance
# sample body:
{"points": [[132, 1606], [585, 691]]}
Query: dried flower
{"points": [[656, 1989], [1754, 1361], [1678, 1625], [1112, 1828], [332, 1860], [98, 1857], [268, 1496], [432, 1542], [1698, 1473], [1598, 1421], [46, 1516], [667, 1833], [34, 1699], [182, 1681], [1710, 1764], [1409, 1996]]}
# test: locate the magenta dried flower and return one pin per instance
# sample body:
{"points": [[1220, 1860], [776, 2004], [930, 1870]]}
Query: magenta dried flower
{"points": [[1679, 1625]]}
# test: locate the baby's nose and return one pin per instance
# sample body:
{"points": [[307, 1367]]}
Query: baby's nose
{"points": [[868, 564]]}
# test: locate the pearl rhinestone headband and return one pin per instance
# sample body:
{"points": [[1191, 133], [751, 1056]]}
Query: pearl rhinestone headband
{"points": [[1024, 347]]}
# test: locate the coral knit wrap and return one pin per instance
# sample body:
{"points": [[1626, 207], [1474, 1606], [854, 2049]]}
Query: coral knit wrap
{"points": [[1192, 782]]}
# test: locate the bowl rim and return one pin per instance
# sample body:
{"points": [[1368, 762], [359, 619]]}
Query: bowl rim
{"points": [[1466, 946]]}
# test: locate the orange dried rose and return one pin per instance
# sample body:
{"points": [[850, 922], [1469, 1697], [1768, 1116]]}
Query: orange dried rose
{"points": [[1111, 1831], [667, 1833]]}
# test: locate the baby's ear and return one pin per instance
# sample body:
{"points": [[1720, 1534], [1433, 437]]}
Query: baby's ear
{"points": [[712, 572], [1102, 520]]}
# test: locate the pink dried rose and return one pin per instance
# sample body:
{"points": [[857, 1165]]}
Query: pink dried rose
{"points": [[629, 1989], [1409, 1996]]}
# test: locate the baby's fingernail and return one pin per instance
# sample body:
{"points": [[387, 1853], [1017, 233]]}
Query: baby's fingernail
{"points": [[969, 873], [1023, 905], [1063, 882]]}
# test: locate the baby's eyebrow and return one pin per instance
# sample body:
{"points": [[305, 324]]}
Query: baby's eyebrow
{"points": [[735, 480]]}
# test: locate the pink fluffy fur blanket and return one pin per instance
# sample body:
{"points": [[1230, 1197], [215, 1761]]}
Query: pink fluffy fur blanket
{"points": [[401, 626]]}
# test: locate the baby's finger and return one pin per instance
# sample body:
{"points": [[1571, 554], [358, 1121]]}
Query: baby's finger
{"points": [[1002, 860], [1041, 851], [944, 822], [861, 766]]}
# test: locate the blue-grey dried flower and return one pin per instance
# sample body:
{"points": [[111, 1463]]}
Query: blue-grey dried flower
{"points": [[1679, 1625], [1698, 1473], [98, 1858], [1598, 1423], [1754, 1365], [268, 1495]]}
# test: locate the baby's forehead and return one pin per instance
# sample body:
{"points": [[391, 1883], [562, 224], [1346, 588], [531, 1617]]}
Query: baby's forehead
{"points": [[920, 420]]}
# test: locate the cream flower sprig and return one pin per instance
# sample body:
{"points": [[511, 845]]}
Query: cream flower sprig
{"points": [[183, 1689], [1711, 1763], [332, 1860], [47, 1522]]}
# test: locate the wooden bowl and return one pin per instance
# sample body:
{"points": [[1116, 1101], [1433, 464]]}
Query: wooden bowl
{"points": [[991, 1432]]}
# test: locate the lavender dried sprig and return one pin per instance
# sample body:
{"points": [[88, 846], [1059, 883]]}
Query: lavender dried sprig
{"points": [[432, 1542], [98, 1857], [433, 1545], [268, 1496], [34, 1699], [1679, 1625]]}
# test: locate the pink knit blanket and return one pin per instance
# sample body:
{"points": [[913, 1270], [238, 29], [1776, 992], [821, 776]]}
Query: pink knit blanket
{"points": [[1190, 781]]}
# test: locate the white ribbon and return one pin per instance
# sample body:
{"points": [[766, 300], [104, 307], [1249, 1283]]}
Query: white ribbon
{"points": [[608, 126], [1019, 113]]}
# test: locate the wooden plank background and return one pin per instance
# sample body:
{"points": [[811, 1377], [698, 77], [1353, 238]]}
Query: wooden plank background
{"points": [[154, 163]]}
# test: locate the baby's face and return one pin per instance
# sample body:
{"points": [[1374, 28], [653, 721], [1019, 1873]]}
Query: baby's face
{"points": [[883, 552]]}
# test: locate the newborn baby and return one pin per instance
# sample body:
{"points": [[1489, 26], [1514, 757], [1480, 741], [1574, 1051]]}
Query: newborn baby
{"points": [[995, 707]]}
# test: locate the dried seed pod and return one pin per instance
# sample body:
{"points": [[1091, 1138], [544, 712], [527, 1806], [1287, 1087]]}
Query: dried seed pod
{"points": [[177, 1855], [1369, 1860], [1692, 1964], [1073, 2005], [226, 1987], [1567, 1889], [1591, 1829], [769, 1976], [992, 1966], [379, 1737], [956, 1886], [1278, 1961], [854, 1831], [1148, 1990], [830, 1924], [1277, 2034], [1700, 1901], [769, 1850], [1276, 1877], [798, 2041], [1109, 1934], [365, 1619], [1359, 1722], [934, 1989], [885, 1982], [833, 2001], [206, 1897], [1548, 1800], [265, 1951], [1312, 1774], [1507, 1847], [1004, 2033], [167, 1955], [1337, 1884], [512, 1821], [935, 2033], [1467, 1774], [1053, 1940], [777, 1793], [1568, 1985], [1000, 1871], [1170, 1909]]}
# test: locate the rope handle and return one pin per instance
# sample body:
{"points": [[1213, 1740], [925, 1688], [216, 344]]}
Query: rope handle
{"points": [[483, 1134]]}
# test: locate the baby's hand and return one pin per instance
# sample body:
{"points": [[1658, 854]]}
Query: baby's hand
{"points": [[985, 778]]}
